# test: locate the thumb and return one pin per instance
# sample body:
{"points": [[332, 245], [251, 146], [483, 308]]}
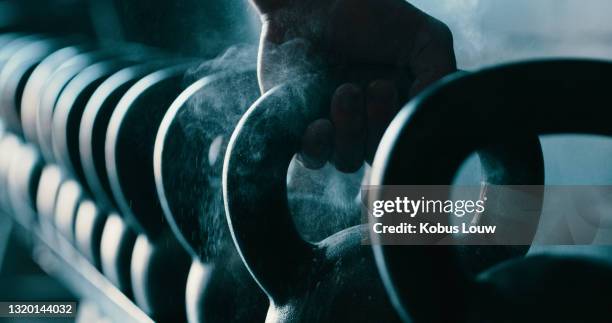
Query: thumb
{"points": [[433, 55]]}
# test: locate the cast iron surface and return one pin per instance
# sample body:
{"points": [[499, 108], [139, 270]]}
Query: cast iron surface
{"points": [[159, 265], [51, 179], [541, 97], [116, 245], [305, 281], [23, 178], [69, 110], [69, 196], [94, 124], [130, 142], [52, 91], [36, 83], [189, 153], [159, 270], [25, 53], [188, 162]]}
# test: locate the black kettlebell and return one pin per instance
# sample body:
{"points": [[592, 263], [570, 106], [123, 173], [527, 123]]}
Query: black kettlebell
{"points": [[116, 246], [23, 178], [39, 82], [72, 84], [50, 182], [70, 194], [94, 125], [66, 118], [99, 241], [15, 73], [505, 102], [116, 239], [88, 228], [22, 54], [188, 161], [331, 280], [53, 89], [65, 142], [36, 83], [159, 264], [69, 111]]}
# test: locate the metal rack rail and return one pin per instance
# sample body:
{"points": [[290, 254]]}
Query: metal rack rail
{"points": [[58, 258]]}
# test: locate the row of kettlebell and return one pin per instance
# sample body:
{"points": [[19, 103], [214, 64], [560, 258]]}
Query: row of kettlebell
{"points": [[77, 161], [168, 240]]}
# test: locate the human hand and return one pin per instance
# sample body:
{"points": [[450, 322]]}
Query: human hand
{"points": [[353, 36]]}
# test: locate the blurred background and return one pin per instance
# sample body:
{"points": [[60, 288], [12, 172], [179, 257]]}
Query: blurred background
{"points": [[189, 26], [485, 32]]}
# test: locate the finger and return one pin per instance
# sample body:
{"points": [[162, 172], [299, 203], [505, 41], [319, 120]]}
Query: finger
{"points": [[348, 117], [317, 144], [432, 55], [381, 105]]}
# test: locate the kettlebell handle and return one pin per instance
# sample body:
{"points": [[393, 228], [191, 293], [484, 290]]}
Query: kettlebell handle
{"points": [[537, 97], [254, 183]]}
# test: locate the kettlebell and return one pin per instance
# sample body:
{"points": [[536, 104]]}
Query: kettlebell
{"points": [[23, 178], [36, 83], [88, 228], [52, 177], [69, 109], [535, 97], [159, 264], [69, 196], [116, 246], [66, 121], [94, 124], [116, 239], [188, 161], [50, 182], [67, 115], [52, 91], [65, 118], [63, 75], [304, 281], [90, 222], [15, 73]]}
